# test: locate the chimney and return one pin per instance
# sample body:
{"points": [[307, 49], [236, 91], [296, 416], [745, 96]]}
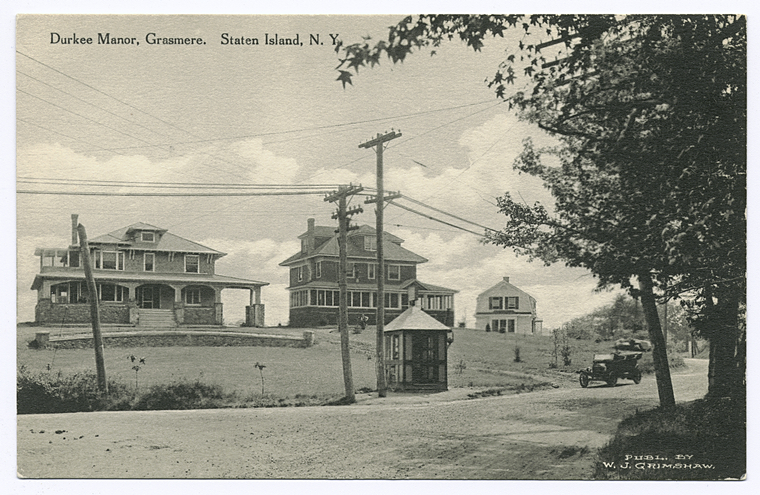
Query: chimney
{"points": [[309, 235], [74, 224], [506, 279], [412, 293]]}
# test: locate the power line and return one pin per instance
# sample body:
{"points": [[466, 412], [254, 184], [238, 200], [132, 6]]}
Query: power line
{"points": [[167, 185], [173, 195], [435, 219], [130, 106], [80, 115], [65, 135], [305, 129], [445, 213], [92, 105]]}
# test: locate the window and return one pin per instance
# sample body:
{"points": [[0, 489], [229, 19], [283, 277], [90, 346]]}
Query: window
{"points": [[109, 260], [149, 262], [351, 270], [495, 303], [69, 293], [394, 272], [148, 236], [319, 269], [513, 302], [370, 243], [112, 293], [371, 267], [299, 298], [192, 262], [391, 300], [299, 273], [193, 296], [511, 326]]}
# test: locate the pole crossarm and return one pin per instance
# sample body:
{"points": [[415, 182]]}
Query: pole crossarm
{"points": [[380, 139], [388, 197], [343, 191]]}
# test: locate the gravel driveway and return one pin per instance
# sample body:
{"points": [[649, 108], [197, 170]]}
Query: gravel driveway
{"points": [[550, 434]]}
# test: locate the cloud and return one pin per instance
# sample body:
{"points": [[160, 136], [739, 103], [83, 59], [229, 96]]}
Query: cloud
{"points": [[256, 260], [265, 166]]}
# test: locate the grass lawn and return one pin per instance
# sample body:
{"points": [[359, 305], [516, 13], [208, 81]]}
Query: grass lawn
{"points": [[476, 359]]}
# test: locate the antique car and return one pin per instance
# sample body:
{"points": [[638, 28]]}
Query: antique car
{"points": [[622, 363]]}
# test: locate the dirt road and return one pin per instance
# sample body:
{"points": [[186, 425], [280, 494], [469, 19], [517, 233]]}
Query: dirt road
{"points": [[550, 434]]}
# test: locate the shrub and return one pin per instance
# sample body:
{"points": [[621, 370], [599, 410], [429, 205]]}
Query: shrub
{"points": [[38, 393], [181, 395], [702, 429], [517, 354]]}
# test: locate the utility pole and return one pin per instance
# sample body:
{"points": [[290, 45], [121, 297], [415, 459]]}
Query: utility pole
{"points": [[92, 290], [342, 215], [380, 199]]}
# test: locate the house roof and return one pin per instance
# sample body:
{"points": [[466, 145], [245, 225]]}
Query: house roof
{"points": [[166, 240], [320, 284], [414, 318], [149, 277], [392, 249], [504, 285], [320, 231], [427, 287]]}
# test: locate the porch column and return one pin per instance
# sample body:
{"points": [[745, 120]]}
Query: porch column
{"points": [[179, 304], [254, 312], [132, 302], [218, 306]]}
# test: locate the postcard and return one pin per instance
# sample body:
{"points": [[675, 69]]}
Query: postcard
{"points": [[379, 247]]}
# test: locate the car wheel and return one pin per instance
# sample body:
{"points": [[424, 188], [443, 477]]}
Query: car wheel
{"points": [[637, 377], [612, 380], [584, 379]]}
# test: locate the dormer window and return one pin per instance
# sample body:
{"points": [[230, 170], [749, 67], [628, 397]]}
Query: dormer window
{"points": [[148, 236], [192, 262], [370, 243]]}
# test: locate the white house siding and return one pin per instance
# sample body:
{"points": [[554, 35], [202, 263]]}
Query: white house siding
{"points": [[523, 319]]}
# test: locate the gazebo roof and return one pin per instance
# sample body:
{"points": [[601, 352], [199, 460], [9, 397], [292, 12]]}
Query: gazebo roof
{"points": [[415, 318]]}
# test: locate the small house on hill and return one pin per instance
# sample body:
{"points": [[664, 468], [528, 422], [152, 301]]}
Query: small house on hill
{"points": [[507, 309]]}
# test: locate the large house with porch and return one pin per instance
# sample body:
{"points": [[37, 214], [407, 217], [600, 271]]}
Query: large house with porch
{"points": [[506, 308], [145, 277], [314, 292]]}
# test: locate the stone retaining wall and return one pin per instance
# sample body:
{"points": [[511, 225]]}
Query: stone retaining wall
{"points": [[187, 338]]}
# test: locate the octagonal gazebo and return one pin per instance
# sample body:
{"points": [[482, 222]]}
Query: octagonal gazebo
{"points": [[416, 346]]}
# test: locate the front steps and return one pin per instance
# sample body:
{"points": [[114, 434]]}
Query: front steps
{"points": [[156, 318]]}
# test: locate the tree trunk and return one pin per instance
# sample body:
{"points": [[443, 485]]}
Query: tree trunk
{"points": [[659, 351], [725, 376]]}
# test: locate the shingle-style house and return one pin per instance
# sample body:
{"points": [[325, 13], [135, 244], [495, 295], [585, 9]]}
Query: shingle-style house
{"points": [[145, 276], [505, 308], [314, 294]]}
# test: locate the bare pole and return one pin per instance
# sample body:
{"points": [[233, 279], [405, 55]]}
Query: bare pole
{"points": [[342, 215], [382, 388], [94, 309]]}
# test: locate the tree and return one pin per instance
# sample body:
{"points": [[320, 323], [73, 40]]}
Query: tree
{"points": [[650, 193]]}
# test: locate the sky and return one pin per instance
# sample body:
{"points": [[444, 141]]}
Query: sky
{"points": [[262, 114]]}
